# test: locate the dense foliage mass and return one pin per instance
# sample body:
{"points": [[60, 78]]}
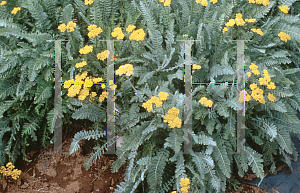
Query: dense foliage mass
{"points": [[149, 84]]}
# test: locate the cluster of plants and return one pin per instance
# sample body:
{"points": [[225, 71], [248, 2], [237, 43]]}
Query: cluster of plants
{"points": [[151, 63]]}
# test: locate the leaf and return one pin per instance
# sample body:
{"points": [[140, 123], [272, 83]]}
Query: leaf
{"points": [[174, 141], [277, 106], [146, 76], [256, 162], [291, 71], [179, 75]]}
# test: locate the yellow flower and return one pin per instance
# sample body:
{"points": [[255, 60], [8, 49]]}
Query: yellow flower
{"points": [[253, 86], [203, 100], [3, 3], [239, 20], [258, 31], [103, 86], [137, 35], [103, 55], [15, 10], [249, 74], [173, 192], [81, 64], [163, 96], [86, 50], [118, 33], [214, 1], [130, 28], [88, 2], [266, 73], [74, 90], [167, 3], [197, 67], [83, 94], [251, 1], [184, 182], [204, 3], [263, 81], [95, 32], [208, 103], [92, 95], [271, 97], [173, 111], [198, 1], [259, 1], [262, 100], [230, 23], [96, 80], [225, 29], [266, 2], [88, 83], [253, 29], [271, 85], [284, 37], [256, 72], [284, 9], [247, 97], [62, 27], [253, 66], [68, 83]]}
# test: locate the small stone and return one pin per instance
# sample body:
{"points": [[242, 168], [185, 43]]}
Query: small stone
{"points": [[65, 178], [19, 182], [25, 185]]}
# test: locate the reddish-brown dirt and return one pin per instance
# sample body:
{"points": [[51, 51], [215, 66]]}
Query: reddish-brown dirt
{"points": [[65, 173]]}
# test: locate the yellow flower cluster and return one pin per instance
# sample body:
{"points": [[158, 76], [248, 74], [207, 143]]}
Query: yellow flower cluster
{"points": [[185, 184], [130, 28], [266, 80], [196, 67], [86, 50], [103, 55], [88, 2], [239, 20], [206, 102], [203, 2], [96, 80], [271, 97], [284, 9], [158, 101], [126, 69], [118, 33], [247, 97], [137, 35], [249, 74], [254, 67], [88, 82], [77, 87], [8, 171], [284, 37], [230, 23], [172, 118], [225, 29], [166, 2], [257, 93], [3, 3], [80, 64], [103, 96], [92, 96], [94, 31], [70, 27], [264, 2], [15, 10], [258, 31]]}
